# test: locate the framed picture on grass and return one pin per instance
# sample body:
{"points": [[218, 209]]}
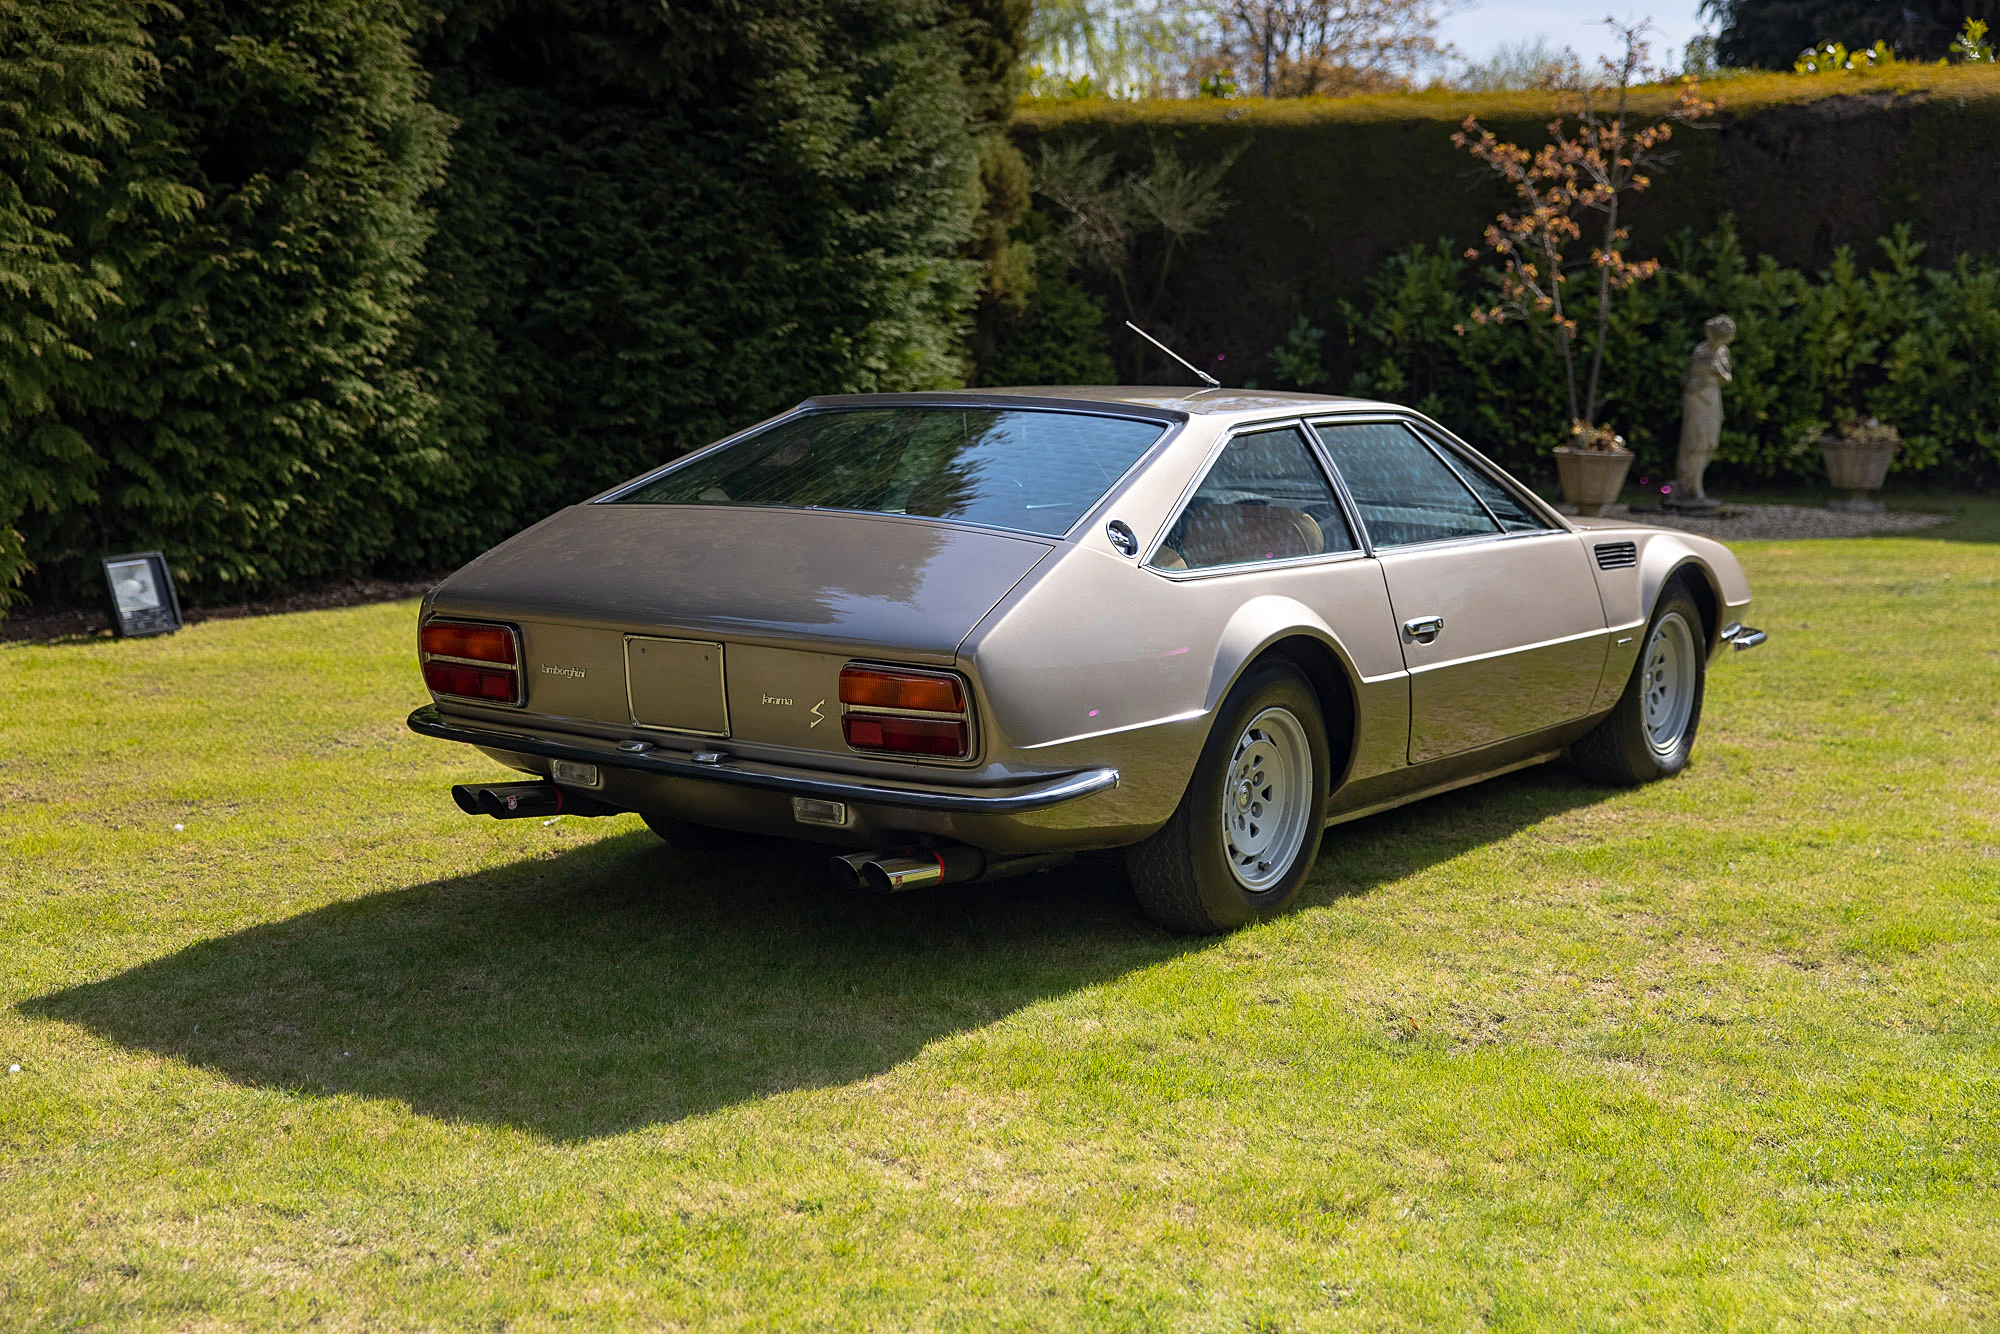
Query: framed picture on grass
{"points": [[143, 601]]}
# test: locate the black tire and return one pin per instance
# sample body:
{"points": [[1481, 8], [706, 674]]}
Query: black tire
{"points": [[1622, 749], [693, 837], [1182, 875]]}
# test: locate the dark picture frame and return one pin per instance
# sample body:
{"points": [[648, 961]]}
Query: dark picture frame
{"points": [[143, 598]]}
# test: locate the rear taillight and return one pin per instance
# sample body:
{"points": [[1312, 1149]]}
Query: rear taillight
{"points": [[471, 661], [897, 712]]}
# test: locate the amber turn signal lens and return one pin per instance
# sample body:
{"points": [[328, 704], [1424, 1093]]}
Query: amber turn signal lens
{"points": [[874, 688], [905, 736], [485, 643]]}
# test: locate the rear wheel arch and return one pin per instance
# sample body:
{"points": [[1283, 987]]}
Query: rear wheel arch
{"points": [[1331, 679]]}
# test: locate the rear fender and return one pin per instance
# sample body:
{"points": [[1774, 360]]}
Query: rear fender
{"points": [[1381, 707]]}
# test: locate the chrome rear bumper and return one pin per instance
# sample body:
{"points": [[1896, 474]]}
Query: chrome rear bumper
{"points": [[1006, 801]]}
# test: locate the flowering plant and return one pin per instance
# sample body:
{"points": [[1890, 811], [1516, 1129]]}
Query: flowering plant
{"points": [[1608, 155]]}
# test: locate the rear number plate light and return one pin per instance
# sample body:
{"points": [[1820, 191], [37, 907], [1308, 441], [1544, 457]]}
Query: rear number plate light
{"points": [[813, 810], [575, 773]]}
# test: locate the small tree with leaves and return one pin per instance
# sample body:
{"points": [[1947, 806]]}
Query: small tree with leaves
{"points": [[1590, 169], [1102, 217]]}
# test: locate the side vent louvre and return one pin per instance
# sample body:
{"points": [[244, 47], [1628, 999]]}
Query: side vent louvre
{"points": [[1617, 555]]}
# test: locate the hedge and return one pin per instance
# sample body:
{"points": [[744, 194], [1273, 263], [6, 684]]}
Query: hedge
{"points": [[1326, 191], [294, 345], [257, 214]]}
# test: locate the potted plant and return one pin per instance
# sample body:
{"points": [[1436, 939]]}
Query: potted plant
{"points": [[1857, 455], [1611, 154], [1592, 467]]}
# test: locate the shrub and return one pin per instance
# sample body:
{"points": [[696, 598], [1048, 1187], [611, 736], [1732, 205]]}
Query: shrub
{"points": [[1916, 347]]}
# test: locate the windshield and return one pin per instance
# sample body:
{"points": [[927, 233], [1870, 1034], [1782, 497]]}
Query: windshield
{"points": [[1031, 471]]}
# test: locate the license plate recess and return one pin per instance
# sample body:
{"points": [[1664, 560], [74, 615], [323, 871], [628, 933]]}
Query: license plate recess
{"points": [[676, 685]]}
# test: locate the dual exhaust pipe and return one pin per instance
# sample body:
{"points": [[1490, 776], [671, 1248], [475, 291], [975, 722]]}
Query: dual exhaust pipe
{"points": [[899, 870], [521, 801]]}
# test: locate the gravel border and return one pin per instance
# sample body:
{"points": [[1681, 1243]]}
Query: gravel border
{"points": [[1749, 523]]}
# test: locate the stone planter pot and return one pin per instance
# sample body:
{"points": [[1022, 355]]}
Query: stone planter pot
{"points": [[1855, 468], [1591, 478]]}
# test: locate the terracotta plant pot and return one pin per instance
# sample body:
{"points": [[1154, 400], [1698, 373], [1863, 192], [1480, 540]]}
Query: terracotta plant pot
{"points": [[1591, 478], [1856, 467]]}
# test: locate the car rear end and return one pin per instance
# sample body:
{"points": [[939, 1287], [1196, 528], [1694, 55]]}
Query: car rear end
{"points": [[693, 648]]}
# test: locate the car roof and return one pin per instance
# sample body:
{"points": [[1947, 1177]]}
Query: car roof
{"points": [[1150, 400]]}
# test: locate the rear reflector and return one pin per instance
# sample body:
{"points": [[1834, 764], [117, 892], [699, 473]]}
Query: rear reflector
{"points": [[905, 736], [452, 678], [483, 643], [876, 688]]}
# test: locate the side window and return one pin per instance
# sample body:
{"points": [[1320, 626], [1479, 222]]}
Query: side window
{"points": [[1406, 493], [1512, 514], [1265, 498]]}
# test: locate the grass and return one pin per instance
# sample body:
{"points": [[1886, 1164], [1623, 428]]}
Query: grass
{"points": [[300, 1044]]}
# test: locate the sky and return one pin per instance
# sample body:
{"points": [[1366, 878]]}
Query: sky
{"points": [[1486, 25]]}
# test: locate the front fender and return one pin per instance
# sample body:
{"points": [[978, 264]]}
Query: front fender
{"points": [[1631, 592]]}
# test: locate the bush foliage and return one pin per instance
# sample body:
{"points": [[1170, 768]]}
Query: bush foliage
{"points": [[1880, 335]]}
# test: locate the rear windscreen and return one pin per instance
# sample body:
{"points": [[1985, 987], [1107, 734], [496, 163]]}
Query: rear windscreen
{"points": [[1031, 471]]}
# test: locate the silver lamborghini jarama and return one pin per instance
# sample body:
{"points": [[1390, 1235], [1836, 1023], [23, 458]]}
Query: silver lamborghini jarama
{"points": [[966, 635]]}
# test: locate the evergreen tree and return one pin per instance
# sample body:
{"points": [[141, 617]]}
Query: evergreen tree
{"points": [[664, 222]]}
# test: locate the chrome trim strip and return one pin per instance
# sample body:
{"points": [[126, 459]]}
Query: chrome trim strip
{"points": [[1253, 566], [1185, 716], [1510, 650], [1063, 788]]}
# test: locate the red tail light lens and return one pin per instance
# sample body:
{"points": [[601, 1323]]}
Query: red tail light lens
{"points": [[471, 661], [877, 688], [484, 643], [896, 712], [451, 678], [906, 736]]}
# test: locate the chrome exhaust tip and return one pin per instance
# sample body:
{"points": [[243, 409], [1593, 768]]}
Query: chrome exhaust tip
{"points": [[521, 801], [898, 870]]}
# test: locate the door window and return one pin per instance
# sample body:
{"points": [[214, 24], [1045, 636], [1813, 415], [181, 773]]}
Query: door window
{"points": [[1264, 499], [1406, 494], [1512, 514]]}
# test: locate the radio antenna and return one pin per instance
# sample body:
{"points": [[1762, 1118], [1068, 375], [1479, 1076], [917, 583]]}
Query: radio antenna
{"points": [[1202, 375]]}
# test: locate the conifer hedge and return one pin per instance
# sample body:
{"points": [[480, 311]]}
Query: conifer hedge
{"points": [[301, 288]]}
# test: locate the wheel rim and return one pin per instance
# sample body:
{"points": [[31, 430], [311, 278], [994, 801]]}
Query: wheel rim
{"points": [[1267, 799], [1667, 688]]}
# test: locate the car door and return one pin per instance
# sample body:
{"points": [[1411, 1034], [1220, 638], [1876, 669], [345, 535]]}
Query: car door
{"points": [[1499, 618]]}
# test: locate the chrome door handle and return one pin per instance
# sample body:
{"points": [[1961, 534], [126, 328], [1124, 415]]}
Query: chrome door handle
{"points": [[1423, 629]]}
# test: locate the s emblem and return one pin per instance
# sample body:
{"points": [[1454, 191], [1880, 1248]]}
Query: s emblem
{"points": [[818, 717]]}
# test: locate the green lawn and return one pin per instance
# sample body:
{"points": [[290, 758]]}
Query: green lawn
{"points": [[301, 1044]]}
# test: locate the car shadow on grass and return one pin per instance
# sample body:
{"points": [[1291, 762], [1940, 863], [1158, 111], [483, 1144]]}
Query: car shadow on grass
{"points": [[626, 984]]}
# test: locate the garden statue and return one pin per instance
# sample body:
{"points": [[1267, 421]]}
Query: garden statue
{"points": [[1701, 414]]}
